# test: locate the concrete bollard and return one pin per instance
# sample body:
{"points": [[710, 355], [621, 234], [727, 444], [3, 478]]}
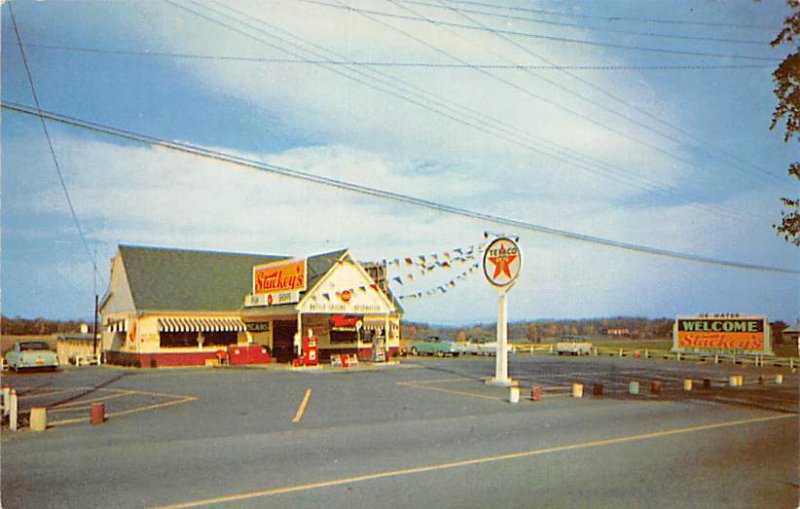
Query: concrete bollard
{"points": [[706, 383], [633, 387], [536, 393], [779, 379], [38, 419], [646, 353], [732, 381], [620, 352], [716, 358], [12, 411], [678, 356], [687, 384], [597, 390], [97, 413], [655, 387], [577, 390]]}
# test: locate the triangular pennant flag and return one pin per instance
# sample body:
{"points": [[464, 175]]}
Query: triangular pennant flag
{"points": [[327, 296], [397, 278], [409, 261]]}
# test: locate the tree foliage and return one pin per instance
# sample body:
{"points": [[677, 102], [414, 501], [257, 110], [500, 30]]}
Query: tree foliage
{"points": [[787, 113]]}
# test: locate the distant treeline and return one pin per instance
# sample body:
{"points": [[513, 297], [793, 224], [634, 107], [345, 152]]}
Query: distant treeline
{"points": [[36, 326], [539, 330]]}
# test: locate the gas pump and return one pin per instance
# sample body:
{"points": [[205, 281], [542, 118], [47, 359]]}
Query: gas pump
{"points": [[309, 353]]}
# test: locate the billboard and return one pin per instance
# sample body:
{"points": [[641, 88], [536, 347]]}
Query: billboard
{"points": [[722, 333], [280, 277]]}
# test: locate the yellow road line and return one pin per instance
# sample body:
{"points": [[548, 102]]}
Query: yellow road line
{"points": [[464, 463], [302, 408], [449, 391], [441, 381], [66, 406]]}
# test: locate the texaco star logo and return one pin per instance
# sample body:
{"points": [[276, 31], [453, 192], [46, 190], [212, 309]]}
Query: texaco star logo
{"points": [[502, 262]]}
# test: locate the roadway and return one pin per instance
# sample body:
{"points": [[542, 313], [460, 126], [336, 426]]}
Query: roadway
{"points": [[427, 433]]}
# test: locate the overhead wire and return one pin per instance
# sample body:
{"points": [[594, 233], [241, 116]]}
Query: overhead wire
{"points": [[620, 100], [340, 184], [554, 38], [534, 95], [384, 63], [61, 180], [665, 21], [477, 25], [583, 162], [542, 21]]}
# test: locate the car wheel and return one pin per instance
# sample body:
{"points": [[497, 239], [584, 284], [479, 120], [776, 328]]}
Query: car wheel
{"points": [[439, 353], [414, 351]]}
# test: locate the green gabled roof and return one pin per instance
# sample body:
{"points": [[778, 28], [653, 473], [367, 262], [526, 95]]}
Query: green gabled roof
{"points": [[183, 280], [165, 279]]}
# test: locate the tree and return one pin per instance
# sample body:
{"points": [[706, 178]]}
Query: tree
{"points": [[787, 90], [533, 333]]}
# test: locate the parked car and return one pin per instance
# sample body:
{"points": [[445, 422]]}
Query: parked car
{"points": [[573, 345], [434, 345], [490, 348], [468, 347], [32, 355]]}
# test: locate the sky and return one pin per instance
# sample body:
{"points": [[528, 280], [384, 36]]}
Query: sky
{"points": [[643, 122]]}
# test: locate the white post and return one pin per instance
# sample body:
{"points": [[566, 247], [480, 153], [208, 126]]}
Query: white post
{"points": [[501, 358], [12, 418]]}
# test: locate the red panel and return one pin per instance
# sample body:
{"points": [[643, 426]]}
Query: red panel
{"points": [[249, 354]]}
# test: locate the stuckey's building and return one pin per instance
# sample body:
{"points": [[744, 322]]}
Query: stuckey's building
{"points": [[174, 307]]}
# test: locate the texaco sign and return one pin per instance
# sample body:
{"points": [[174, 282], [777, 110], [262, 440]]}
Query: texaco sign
{"points": [[502, 262]]}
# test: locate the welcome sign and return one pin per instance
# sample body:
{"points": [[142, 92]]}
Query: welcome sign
{"points": [[748, 334]]}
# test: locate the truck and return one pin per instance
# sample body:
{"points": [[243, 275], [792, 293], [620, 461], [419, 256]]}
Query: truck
{"points": [[573, 345]]}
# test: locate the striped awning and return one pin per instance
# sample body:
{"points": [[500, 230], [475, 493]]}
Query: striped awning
{"points": [[201, 325], [117, 325], [378, 323]]}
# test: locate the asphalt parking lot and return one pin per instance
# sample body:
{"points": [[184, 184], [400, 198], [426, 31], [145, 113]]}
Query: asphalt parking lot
{"points": [[424, 433]]}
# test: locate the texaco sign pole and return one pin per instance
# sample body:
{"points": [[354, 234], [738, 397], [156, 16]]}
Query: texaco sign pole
{"points": [[502, 262]]}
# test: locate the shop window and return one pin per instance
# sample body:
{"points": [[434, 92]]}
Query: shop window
{"points": [[338, 336], [220, 338], [177, 339]]}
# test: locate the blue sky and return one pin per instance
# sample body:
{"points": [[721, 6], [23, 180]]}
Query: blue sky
{"points": [[680, 159]]}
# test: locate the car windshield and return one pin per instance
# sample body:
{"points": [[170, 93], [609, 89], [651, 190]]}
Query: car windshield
{"points": [[34, 345]]}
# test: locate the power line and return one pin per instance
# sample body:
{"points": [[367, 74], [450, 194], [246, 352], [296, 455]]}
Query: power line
{"points": [[552, 150], [561, 154], [383, 194], [555, 38], [619, 100], [384, 63], [584, 27], [61, 180], [616, 18], [535, 95], [540, 97]]}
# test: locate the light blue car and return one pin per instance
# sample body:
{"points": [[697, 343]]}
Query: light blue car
{"points": [[31, 355]]}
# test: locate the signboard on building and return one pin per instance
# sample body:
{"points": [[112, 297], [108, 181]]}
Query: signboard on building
{"points": [[284, 276], [722, 333]]}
